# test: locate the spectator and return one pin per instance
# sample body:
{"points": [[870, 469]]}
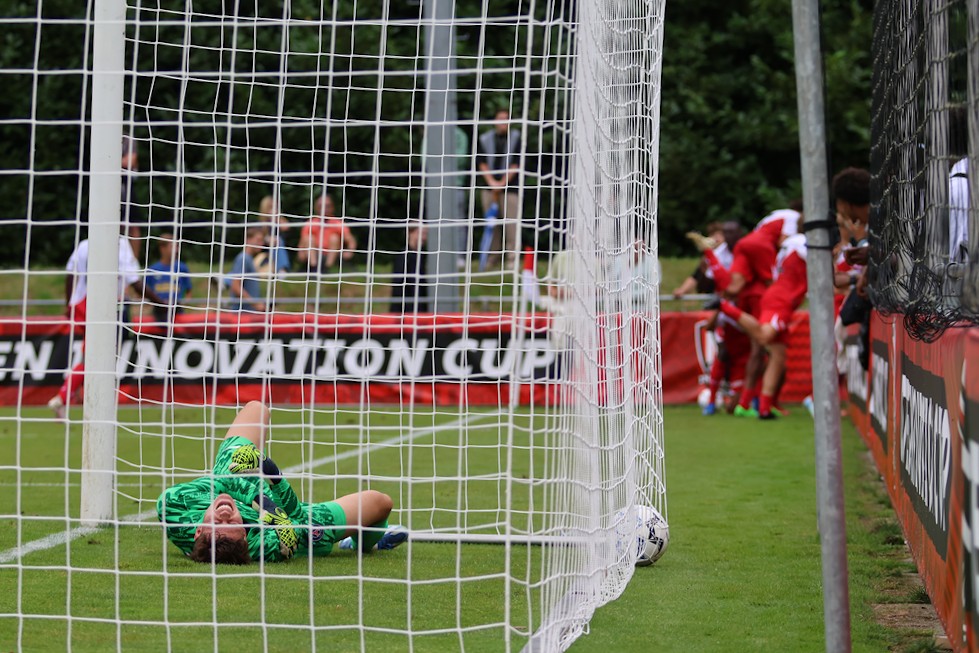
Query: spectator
{"points": [[409, 292], [958, 186], [325, 239], [497, 161], [169, 278], [244, 279], [76, 294], [276, 258]]}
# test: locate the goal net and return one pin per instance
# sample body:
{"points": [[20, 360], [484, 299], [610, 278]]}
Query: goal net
{"points": [[422, 232]]}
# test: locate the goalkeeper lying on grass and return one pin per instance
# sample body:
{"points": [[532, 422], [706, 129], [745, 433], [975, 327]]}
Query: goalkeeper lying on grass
{"points": [[245, 510]]}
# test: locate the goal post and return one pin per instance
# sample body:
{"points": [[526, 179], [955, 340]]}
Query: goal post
{"points": [[424, 233], [105, 187]]}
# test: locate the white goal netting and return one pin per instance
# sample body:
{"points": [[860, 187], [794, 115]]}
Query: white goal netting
{"points": [[422, 232]]}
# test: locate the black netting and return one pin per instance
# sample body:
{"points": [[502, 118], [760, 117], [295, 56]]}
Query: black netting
{"points": [[923, 224]]}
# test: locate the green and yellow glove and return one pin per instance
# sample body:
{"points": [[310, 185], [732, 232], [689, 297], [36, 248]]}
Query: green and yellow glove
{"points": [[247, 459], [274, 516]]}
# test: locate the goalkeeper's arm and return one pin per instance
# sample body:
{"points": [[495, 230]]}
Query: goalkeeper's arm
{"points": [[275, 517]]}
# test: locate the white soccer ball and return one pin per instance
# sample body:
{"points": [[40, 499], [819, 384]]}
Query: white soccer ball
{"points": [[703, 398], [647, 530]]}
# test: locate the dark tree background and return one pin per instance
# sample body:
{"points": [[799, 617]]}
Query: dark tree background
{"points": [[729, 140]]}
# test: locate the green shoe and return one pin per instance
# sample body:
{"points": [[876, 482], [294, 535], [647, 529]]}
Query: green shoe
{"points": [[779, 412], [741, 411]]}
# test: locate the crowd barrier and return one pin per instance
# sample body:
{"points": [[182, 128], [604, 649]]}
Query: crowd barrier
{"points": [[436, 359], [917, 409]]}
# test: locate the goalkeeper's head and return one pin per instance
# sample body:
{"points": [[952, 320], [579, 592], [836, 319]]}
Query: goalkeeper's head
{"points": [[220, 537]]}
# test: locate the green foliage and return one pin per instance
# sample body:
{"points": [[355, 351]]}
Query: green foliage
{"points": [[729, 136], [729, 115]]}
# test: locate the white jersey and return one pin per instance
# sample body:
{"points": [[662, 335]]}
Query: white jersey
{"points": [[789, 218], [958, 211], [78, 265], [725, 256], [792, 245]]}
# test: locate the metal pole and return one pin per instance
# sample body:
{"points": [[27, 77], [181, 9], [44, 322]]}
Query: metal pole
{"points": [[105, 184], [829, 467], [441, 166]]}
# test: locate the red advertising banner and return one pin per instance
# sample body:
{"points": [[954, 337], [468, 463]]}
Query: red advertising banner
{"points": [[920, 418], [431, 359]]}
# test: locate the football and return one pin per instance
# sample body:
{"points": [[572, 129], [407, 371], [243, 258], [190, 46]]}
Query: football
{"points": [[653, 537], [703, 397]]}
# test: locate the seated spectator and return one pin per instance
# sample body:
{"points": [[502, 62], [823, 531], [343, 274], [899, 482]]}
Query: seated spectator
{"points": [[169, 278], [325, 239], [276, 259], [409, 293], [243, 282]]}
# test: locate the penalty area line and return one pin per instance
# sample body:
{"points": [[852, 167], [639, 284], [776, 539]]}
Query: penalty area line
{"points": [[62, 538]]}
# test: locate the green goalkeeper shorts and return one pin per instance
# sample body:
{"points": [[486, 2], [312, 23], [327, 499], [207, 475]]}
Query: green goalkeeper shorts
{"points": [[329, 525]]}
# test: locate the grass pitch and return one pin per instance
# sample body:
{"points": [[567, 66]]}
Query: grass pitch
{"points": [[742, 572]]}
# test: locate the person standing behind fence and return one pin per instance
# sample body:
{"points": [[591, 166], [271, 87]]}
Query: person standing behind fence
{"points": [[76, 293], [498, 164], [409, 292], [325, 239], [169, 278]]}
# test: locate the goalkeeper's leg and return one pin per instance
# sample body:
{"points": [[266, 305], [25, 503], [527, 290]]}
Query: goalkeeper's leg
{"points": [[252, 422], [369, 509]]}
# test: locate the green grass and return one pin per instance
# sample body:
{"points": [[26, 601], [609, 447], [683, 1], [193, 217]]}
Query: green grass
{"points": [[742, 572]]}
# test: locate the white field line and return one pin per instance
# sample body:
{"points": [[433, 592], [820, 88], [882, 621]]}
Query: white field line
{"points": [[58, 539]]}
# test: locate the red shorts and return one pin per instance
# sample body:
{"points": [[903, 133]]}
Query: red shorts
{"points": [[749, 299], [780, 319]]}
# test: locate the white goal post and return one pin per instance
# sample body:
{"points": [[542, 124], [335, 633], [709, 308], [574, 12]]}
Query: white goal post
{"points": [[423, 232]]}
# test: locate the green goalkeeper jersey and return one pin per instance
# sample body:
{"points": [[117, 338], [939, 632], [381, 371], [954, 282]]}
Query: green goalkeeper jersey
{"points": [[182, 508]]}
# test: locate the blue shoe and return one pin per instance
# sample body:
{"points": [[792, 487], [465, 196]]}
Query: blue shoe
{"points": [[394, 537], [346, 544], [709, 409], [808, 403], [755, 403]]}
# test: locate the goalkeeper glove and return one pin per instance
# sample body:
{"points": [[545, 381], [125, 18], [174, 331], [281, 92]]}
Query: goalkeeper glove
{"points": [[247, 459], [274, 516]]}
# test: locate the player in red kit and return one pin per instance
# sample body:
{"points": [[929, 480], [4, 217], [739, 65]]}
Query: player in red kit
{"points": [[755, 256], [777, 305]]}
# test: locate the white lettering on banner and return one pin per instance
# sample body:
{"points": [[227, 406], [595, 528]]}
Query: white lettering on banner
{"points": [[491, 352], [231, 366], [5, 348], [925, 445], [152, 357], [271, 360], [856, 378], [364, 358], [540, 354], [182, 366], [31, 360], [451, 359], [328, 368], [970, 467], [126, 355], [406, 358], [28, 360], [304, 349], [878, 395], [77, 352]]}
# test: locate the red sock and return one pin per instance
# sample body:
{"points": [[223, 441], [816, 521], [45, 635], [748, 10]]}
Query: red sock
{"points": [[73, 384], [716, 376], [765, 404], [747, 396], [730, 310]]}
